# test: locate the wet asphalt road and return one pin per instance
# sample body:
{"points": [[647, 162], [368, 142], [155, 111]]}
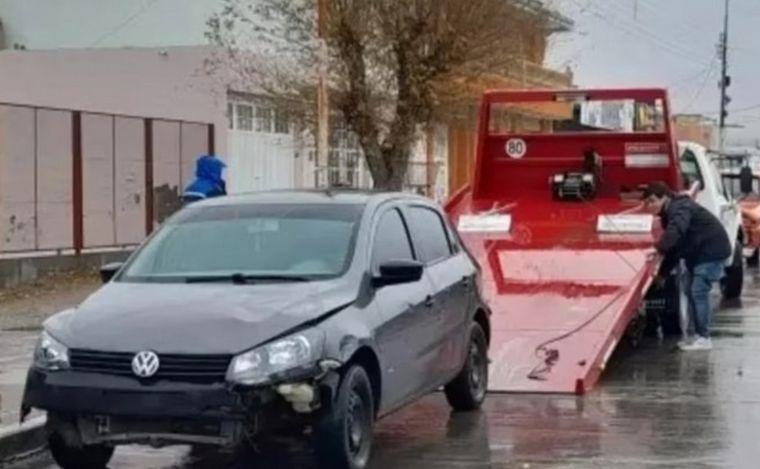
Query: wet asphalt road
{"points": [[655, 408]]}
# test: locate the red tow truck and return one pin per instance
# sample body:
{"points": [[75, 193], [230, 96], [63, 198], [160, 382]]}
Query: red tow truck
{"points": [[553, 215]]}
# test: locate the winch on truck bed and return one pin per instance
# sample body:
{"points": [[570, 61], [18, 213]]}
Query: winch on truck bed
{"points": [[553, 216]]}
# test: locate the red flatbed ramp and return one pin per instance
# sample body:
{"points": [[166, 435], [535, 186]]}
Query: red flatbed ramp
{"points": [[562, 294], [554, 281]]}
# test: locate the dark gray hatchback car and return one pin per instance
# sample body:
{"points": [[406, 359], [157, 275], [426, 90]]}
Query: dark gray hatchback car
{"points": [[303, 314]]}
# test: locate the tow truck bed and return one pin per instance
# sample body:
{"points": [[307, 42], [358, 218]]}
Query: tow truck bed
{"points": [[562, 293], [550, 277]]}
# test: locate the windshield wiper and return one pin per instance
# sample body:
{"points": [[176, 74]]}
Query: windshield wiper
{"points": [[242, 279]]}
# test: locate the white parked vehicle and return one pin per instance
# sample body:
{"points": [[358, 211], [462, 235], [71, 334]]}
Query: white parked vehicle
{"points": [[696, 166]]}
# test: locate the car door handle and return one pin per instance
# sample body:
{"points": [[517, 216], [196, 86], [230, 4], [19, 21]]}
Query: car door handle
{"points": [[429, 301]]}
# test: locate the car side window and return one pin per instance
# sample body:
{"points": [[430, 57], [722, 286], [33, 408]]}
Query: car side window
{"points": [[690, 170], [391, 240], [430, 234]]}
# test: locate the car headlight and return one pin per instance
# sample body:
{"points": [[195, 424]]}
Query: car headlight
{"points": [[50, 354], [291, 353]]}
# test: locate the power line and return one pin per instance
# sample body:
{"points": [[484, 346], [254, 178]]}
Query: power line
{"points": [[638, 31], [702, 87], [673, 46], [733, 111], [684, 26], [745, 109], [145, 6], [688, 79]]}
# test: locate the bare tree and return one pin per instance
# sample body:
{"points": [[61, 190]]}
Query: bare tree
{"points": [[390, 63]]}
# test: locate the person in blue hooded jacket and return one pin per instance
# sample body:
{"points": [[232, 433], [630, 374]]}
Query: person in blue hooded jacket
{"points": [[208, 180]]}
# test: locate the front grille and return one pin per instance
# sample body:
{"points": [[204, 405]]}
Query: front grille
{"points": [[185, 368]]}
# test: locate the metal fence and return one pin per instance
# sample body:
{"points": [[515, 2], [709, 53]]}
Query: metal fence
{"points": [[74, 181], [420, 176]]}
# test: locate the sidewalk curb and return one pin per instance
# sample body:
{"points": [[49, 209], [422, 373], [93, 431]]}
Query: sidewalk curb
{"points": [[19, 441]]}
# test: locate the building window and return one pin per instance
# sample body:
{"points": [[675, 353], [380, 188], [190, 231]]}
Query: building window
{"points": [[281, 123], [264, 119], [244, 117], [230, 116]]}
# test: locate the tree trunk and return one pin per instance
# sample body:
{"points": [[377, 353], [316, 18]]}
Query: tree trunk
{"points": [[389, 168]]}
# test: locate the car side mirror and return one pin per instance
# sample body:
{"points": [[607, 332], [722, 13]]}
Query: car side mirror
{"points": [[398, 272], [108, 271]]}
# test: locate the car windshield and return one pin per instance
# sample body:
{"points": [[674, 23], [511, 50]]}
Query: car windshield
{"points": [[273, 242]]}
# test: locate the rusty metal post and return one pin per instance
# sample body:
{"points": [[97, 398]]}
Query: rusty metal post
{"points": [[149, 199], [430, 162], [211, 139], [77, 181], [323, 105]]}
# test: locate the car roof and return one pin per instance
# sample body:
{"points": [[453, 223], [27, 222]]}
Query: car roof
{"points": [[338, 196]]}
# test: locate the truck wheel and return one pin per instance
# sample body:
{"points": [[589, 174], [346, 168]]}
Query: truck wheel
{"points": [[343, 435], [754, 259], [732, 283], [468, 390], [665, 306], [85, 457]]}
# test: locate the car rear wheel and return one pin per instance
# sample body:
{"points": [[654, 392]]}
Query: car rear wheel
{"points": [[344, 433], [468, 390], [84, 457], [733, 282], [754, 259]]}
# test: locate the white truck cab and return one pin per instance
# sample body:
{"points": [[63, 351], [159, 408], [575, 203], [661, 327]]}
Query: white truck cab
{"points": [[697, 166]]}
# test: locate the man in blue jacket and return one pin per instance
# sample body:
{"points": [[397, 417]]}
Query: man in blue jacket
{"points": [[695, 235], [208, 180]]}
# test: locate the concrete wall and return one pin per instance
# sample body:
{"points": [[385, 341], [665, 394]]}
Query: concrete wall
{"points": [[58, 24], [166, 83], [18, 271], [72, 180]]}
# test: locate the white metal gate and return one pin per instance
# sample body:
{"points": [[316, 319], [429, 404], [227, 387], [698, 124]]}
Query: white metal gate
{"points": [[261, 148]]}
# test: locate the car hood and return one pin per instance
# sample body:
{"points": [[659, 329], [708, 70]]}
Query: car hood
{"points": [[194, 319]]}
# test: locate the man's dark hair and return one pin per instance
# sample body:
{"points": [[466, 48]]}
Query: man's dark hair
{"points": [[658, 189]]}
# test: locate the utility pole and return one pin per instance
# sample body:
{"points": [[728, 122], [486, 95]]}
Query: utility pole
{"points": [[323, 105], [725, 79]]}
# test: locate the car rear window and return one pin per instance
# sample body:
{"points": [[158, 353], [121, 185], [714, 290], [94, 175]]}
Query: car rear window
{"points": [[429, 234], [391, 241]]}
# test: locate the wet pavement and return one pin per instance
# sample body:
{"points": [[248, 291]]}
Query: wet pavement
{"points": [[22, 311], [655, 407], [15, 353]]}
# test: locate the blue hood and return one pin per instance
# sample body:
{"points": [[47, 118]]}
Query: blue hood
{"points": [[210, 168]]}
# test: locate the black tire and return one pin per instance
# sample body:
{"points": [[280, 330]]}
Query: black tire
{"points": [[754, 259], [733, 282], [468, 390], [85, 457], [343, 434]]}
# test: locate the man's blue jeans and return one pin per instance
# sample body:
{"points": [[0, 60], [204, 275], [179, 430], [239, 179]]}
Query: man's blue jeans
{"points": [[699, 282]]}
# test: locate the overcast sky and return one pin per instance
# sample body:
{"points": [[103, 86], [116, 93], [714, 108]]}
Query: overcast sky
{"points": [[670, 43]]}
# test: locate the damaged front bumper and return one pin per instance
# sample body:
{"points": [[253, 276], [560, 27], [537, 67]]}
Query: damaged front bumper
{"points": [[90, 408]]}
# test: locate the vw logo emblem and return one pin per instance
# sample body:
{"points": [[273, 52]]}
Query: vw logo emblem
{"points": [[145, 364]]}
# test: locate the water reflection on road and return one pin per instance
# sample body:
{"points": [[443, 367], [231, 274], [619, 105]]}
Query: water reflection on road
{"points": [[656, 408]]}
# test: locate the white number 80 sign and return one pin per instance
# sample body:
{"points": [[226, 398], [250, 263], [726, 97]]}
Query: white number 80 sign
{"points": [[516, 148]]}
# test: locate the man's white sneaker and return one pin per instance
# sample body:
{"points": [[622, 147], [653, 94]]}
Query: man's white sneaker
{"points": [[686, 341], [701, 343]]}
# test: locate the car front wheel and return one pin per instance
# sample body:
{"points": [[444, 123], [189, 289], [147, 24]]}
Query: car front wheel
{"points": [[83, 457], [468, 390], [344, 432]]}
